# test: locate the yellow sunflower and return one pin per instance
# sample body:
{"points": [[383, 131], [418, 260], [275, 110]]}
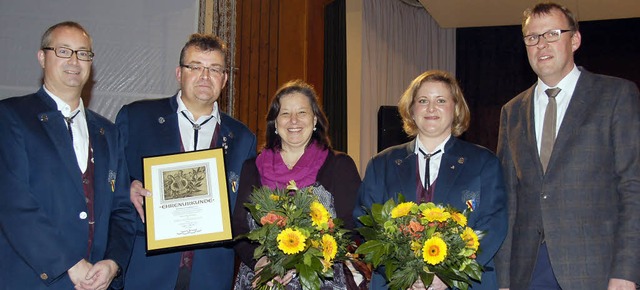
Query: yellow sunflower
{"points": [[459, 219], [402, 209], [319, 214], [434, 250], [471, 238], [329, 247], [435, 214], [291, 241]]}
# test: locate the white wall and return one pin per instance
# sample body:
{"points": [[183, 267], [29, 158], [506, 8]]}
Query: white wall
{"points": [[137, 45]]}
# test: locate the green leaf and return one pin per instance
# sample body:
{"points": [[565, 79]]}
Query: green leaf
{"points": [[389, 269], [386, 209], [289, 262], [466, 252], [369, 247], [308, 278], [373, 250], [429, 231], [366, 220], [368, 233], [258, 252], [474, 270], [403, 279], [460, 284], [306, 259], [427, 277], [447, 274], [376, 213]]}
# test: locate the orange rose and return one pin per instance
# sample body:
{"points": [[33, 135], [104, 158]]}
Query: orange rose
{"points": [[416, 227], [271, 218]]}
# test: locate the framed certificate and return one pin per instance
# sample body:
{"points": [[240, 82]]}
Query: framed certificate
{"points": [[189, 206]]}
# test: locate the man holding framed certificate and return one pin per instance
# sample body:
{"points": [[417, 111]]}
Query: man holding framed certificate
{"points": [[187, 121]]}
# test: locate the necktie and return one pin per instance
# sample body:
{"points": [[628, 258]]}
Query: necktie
{"points": [[69, 121], [196, 128], [549, 128], [427, 175]]}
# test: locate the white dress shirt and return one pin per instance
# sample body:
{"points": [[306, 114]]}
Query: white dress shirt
{"points": [[78, 128], [434, 161], [205, 134], [567, 85]]}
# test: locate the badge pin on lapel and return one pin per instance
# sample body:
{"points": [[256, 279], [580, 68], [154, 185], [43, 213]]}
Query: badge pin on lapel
{"points": [[112, 180], [471, 199], [460, 161], [233, 178], [470, 205], [225, 147]]}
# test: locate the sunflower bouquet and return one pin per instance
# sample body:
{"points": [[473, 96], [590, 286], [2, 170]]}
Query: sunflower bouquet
{"points": [[417, 241], [295, 231]]}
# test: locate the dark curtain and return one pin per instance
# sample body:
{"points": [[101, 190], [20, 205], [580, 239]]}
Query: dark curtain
{"points": [[492, 66], [335, 73]]}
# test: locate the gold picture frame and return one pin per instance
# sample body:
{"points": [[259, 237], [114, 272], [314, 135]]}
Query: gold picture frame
{"points": [[189, 206]]}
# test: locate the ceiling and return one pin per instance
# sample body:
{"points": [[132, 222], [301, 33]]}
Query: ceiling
{"points": [[476, 13]]}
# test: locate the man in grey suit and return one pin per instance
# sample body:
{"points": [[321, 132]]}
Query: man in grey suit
{"points": [[571, 161]]}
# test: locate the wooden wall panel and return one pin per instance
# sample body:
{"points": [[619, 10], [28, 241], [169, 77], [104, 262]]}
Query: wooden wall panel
{"points": [[243, 41], [277, 41], [263, 63], [315, 45], [251, 86], [292, 43]]}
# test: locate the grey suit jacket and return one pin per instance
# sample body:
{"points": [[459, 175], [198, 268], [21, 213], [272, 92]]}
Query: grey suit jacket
{"points": [[587, 205]]}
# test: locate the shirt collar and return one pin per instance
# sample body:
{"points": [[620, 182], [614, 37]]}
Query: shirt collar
{"points": [[439, 147], [183, 108], [567, 84], [63, 107]]}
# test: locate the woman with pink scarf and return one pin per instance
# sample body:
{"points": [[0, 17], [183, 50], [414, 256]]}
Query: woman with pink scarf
{"points": [[297, 148]]}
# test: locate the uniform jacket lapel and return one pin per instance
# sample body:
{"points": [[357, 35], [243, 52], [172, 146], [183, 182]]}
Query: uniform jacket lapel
{"points": [[168, 132], [450, 167], [53, 123], [226, 134], [405, 164], [100, 152]]}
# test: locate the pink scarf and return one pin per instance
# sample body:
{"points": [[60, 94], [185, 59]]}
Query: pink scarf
{"points": [[275, 174]]}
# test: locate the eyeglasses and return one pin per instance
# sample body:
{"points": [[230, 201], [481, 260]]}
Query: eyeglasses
{"points": [[550, 36], [65, 52], [215, 70]]}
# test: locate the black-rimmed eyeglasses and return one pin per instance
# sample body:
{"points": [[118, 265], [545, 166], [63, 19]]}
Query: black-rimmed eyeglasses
{"points": [[215, 70], [65, 52], [550, 36]]}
